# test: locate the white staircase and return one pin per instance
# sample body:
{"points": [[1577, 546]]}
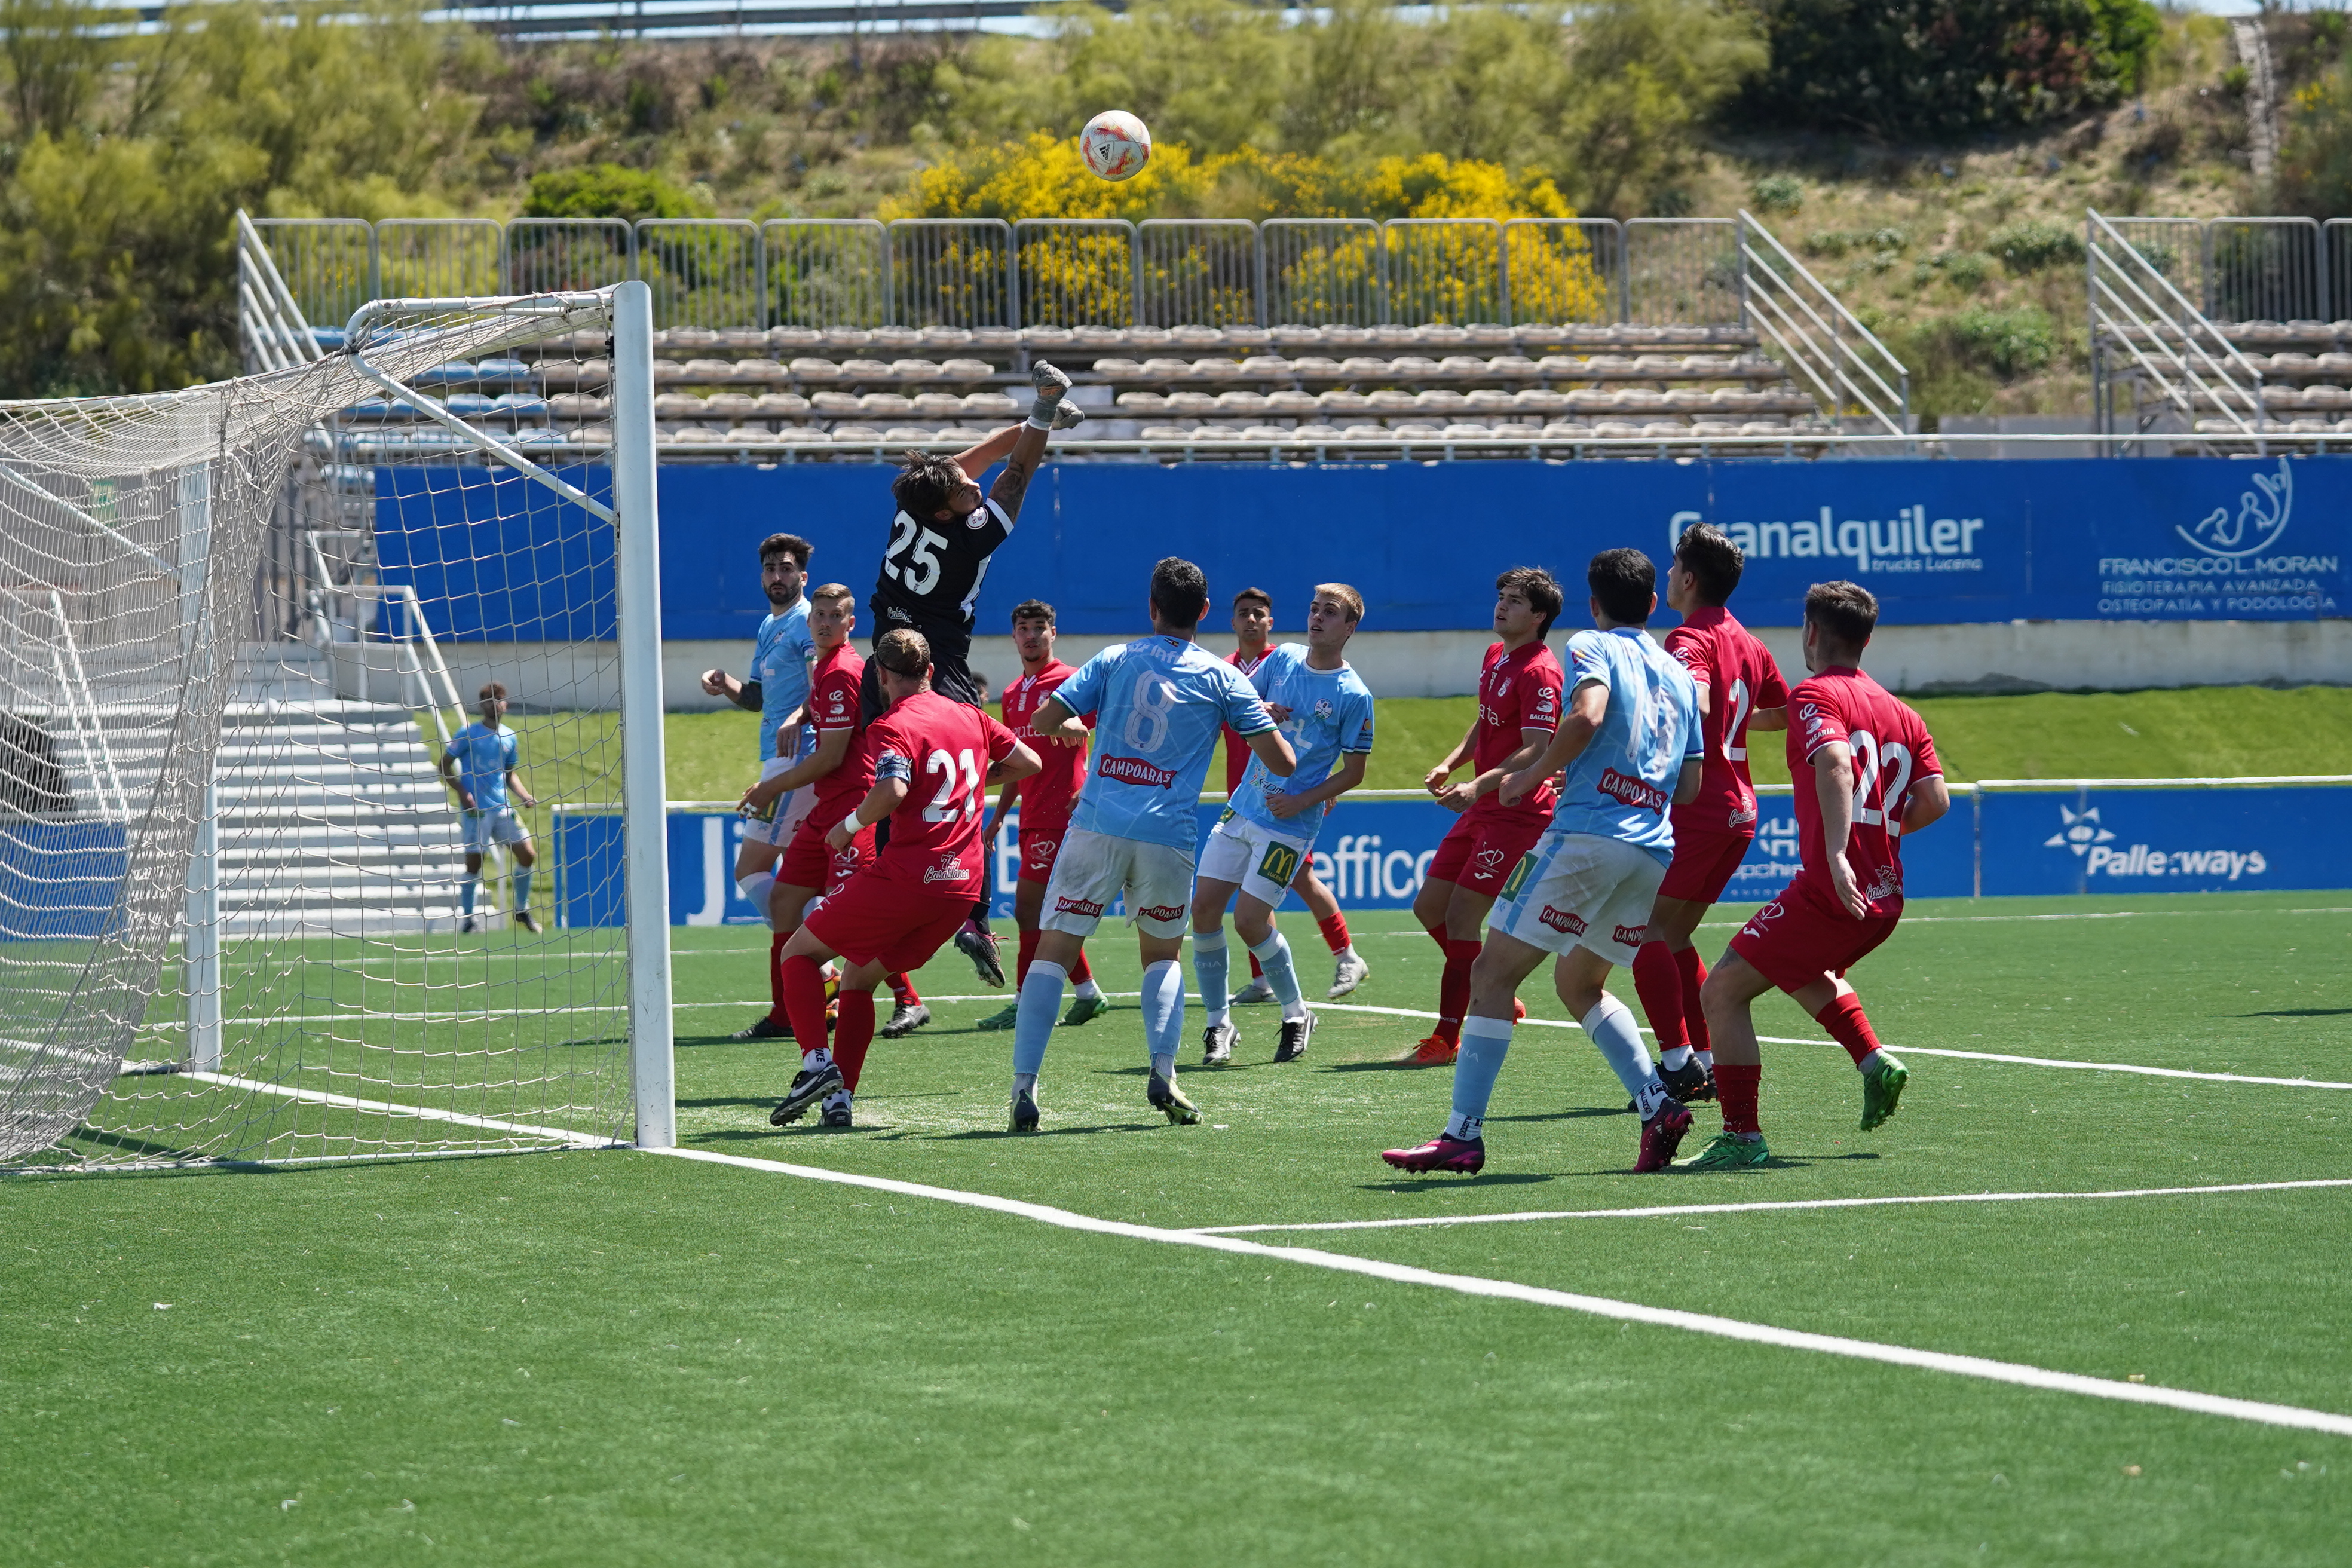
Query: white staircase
{"points": [[333, 819]]}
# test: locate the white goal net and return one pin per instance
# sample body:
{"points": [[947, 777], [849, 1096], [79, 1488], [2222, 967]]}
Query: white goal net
{"points": [[241, 628]]}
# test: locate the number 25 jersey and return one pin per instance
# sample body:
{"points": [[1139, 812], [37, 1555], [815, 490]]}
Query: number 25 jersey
{"points": [[931, 572], [1892, 751], [1160, 704]]}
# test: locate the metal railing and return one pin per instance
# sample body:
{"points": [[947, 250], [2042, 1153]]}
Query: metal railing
{"points": [[2264, 270], [1824, 346], [2146, 331], [730, 274], [272, 327], [432, 675]]}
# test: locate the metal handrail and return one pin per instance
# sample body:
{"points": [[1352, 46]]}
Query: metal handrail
{"points": [[277, 300], [2114, 317], [414, 608], [1838, 355], [73, 679]]}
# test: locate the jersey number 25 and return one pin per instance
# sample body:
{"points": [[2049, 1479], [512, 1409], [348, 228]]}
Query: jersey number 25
{"points": [[923, 570]]}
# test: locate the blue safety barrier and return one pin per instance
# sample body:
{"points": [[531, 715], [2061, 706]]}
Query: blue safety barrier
{"points": [[1374, 853], [60, 880], [494, 558]]}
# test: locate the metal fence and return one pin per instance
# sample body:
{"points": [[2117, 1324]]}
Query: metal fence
{"points": [[2148, 337], [2248, 269], [1074, 272], [827, 272], [724, 274]]}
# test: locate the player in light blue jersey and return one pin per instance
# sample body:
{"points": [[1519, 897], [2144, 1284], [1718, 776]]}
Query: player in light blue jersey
{"points": [[480, 764], [1633, 745], [1160, 704], [1268, 831]]}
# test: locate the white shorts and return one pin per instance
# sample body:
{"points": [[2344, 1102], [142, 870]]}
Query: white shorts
{"points": [[776, 828], [1094, 869], [1262, 860], [486, 827], [1574, 889]]}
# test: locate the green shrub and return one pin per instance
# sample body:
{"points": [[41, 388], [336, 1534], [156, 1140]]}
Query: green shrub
{"points": [[2009, 343], [1922, 69], [2034, 244], [1778, 194], [609, 190]]}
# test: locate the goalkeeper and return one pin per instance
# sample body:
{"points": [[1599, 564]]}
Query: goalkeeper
{"points": [[481, 764], [932, 566]]}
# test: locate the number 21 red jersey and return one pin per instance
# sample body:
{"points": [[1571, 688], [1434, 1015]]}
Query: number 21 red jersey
{"points": [[1740, 677], [942, 750], [1891, 752]]}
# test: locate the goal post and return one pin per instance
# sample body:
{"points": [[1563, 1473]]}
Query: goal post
{"points": [[241, 628]]}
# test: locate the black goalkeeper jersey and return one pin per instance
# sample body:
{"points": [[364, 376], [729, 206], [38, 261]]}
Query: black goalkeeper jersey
{"points": [[931, 573]]}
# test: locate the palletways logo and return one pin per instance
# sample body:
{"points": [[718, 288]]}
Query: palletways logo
{"points": [[2097, 846], [1903, 538], [2236, 563]]}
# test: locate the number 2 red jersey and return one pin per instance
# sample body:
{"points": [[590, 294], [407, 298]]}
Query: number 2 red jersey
{"points": [[1047, 795], [1740, 677], [1892, 751], [1518, 688], [942, 750], [833, 704]]}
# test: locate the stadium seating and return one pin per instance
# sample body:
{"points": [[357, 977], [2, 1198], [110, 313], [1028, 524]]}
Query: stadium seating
{"points": [[792, 392]]}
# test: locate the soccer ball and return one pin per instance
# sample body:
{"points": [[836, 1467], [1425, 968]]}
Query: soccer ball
{"points": [[1116, 145]]}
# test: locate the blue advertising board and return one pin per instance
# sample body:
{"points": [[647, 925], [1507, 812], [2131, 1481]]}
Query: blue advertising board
{"points": [[496, 558], [60, 880], [1374, 853]]}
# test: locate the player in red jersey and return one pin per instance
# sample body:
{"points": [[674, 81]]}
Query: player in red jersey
{"points": [[932, 758], [1519, 688], [1046, 798], [1739, 689], [1866, 774], [1253, 640]]}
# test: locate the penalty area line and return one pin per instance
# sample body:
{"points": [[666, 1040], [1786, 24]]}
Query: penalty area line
{"points": [[2013, 1373], [1913, 1051], [1675, 1211]]}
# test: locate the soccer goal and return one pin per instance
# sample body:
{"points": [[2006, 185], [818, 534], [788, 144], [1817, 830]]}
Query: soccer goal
{"points": [[241, 628]]}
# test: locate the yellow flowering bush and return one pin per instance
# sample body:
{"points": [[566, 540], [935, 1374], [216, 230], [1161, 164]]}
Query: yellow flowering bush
{"points": [[1552, 272]]}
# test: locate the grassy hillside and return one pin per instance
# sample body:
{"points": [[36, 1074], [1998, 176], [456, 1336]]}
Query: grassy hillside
{"points": [[2202, 733]]}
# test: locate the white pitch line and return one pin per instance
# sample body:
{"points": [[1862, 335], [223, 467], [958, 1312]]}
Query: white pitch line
{"points": [[1918, 1051], [1597, 1306], [388, 1108], [1675, 1211]]}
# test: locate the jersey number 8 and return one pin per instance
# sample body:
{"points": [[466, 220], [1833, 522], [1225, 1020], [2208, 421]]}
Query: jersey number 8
{"points": [[1146, 716]]}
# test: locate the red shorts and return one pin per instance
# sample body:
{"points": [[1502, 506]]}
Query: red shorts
{"points": [[874, 919], [1704, 864], [1800, 937], [1041, 845], [809, 862], [1479, 852]]}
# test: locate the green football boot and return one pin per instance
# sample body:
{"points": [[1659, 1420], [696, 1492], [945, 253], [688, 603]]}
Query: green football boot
{"points": [[1001, 1019], [1882, 1091], [1727, 1151], [1085, 1009]]}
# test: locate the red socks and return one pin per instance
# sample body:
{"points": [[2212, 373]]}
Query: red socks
{"points": [[1694, 974], [852, 1032], [1454, 988], [902, 991], [1081, 971], [1334, 932], [804, 987], [1028, 952], [1736, 1088], [1848, 1025], [1258, 971], [1659, 983], [776, 1014]]}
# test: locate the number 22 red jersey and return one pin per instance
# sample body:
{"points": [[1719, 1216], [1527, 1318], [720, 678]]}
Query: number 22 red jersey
{"points": [[1891, 752], [942, 750], [1740, 677], [1518, 688], [1047, 795]]}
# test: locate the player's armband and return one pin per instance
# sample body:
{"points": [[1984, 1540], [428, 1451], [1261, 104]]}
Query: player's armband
{"points": [[891, 766]]}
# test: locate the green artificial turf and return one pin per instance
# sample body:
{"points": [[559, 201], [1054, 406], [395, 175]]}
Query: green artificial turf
{"points": [[615, 1357]]}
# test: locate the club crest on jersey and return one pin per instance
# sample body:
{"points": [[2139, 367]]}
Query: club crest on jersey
{"points": [[1042, 846], [1323, 708], [1488, 861]]}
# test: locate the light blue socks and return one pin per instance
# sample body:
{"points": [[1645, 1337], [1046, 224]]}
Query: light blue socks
{"points": [[1032, 1026], [1209, 970], [1272, 955], [1163, 1011], [1484, 1043], [1610, 1024]]}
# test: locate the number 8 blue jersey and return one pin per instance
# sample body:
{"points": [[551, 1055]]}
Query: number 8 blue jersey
{"points": [[1159, 705]]}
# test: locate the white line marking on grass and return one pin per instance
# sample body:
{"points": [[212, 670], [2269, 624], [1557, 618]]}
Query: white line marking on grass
{"points": [[1665, 1211], [1915, 1051], [1596, 1306], [390, 1108]]}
